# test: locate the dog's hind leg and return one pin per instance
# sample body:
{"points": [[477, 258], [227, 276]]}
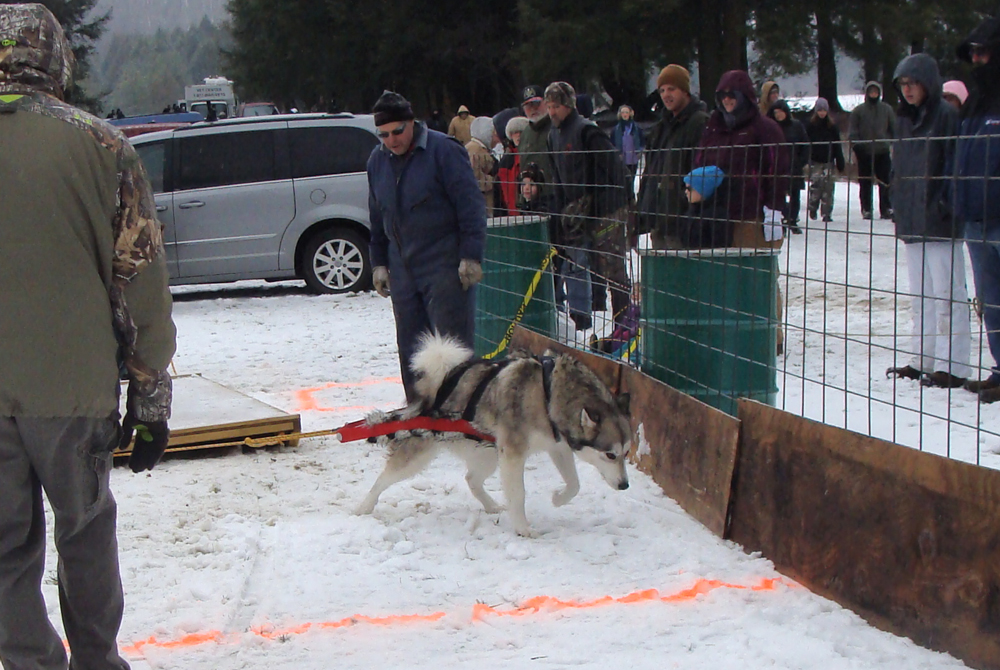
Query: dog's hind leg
{"points": [[512, 478], [407, 457], [481, 462], [563, 459]]}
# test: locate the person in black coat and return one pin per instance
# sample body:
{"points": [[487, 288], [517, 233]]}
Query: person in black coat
{"points": [[795, 135], [825, 154], [704, 224]]}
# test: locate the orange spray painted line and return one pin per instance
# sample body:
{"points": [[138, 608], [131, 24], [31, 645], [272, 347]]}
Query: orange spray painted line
{"points": [[531, 606], [550, 604], [306, 400], [397, 619]]}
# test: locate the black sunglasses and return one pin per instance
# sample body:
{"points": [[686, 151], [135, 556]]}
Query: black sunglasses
{"points": [[395, 131], [727, 94]]}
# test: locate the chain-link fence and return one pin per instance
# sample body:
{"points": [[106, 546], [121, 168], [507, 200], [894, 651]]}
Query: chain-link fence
{"points": [[812, 310]]}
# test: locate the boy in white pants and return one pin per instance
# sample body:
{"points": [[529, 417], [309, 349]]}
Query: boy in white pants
{"points": [[926, 126]]}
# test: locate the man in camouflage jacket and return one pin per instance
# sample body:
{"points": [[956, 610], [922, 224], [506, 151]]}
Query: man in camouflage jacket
{"points": [[83, 284]]}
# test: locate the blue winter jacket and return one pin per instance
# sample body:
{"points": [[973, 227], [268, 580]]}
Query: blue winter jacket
{"points": [[977, 154], [434, 214]]}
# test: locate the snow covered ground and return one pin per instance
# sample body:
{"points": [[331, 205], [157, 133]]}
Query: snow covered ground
{"points": [[255, 561]]}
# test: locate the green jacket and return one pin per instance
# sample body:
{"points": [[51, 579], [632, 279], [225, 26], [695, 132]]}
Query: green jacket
{"points": [[872, 124], [81, 261], [670, 148], [534, 146]]}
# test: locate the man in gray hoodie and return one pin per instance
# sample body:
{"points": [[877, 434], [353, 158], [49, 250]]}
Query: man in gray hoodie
{"points": [[927, 126], [873, 123]]}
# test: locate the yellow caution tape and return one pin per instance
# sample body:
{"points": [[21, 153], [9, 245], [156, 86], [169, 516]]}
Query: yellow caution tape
{"points": [[524, 303]]}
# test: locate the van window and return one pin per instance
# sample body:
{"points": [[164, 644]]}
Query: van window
{"points": [[324, 151], [226, 158], [153, 156]]}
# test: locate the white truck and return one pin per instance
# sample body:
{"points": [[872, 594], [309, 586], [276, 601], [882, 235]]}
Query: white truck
{"points": [[215, 98]]}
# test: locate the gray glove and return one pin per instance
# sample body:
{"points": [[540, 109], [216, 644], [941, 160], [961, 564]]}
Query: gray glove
{"points": [[380, 279], [470, 272]]}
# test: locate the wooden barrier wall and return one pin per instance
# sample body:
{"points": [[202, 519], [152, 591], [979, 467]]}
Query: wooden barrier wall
{"points": [[908, 540]]}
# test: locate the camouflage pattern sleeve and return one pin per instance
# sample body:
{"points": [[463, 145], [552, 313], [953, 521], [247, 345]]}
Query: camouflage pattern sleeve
{"points": [[138, 241], [137, 233]]}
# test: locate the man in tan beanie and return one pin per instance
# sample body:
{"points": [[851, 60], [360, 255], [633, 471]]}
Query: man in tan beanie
{"points": [[670, 148]]}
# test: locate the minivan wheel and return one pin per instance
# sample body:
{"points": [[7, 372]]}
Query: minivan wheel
{"points": [[336, 261]]}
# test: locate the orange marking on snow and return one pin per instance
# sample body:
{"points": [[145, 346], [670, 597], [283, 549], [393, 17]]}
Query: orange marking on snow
{"points": [[548, 603], [271, 634], [192, 640], [305, 401], [535, 605]]}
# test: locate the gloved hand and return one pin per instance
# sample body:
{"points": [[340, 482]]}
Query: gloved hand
{"points": [[773, 229], [147, 409], [772, 216], [150, 442], [470, 272], [380, 279]]}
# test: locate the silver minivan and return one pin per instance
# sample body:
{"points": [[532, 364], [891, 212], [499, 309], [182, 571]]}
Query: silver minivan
{"points": [[272, 197]]}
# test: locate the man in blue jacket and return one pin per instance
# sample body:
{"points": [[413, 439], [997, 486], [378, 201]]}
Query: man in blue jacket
{"points": [[428, 221], [977, 187]]}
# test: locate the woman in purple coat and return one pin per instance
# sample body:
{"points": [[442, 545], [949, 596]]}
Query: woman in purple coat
{"points": [[747, 147]]}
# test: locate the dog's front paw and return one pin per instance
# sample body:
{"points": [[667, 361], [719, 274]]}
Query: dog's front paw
{"points": [[366, 507], [563, 496], [526, 532]]}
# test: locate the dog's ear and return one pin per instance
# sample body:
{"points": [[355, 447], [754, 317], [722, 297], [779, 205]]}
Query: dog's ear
{"points": [[589, 421], [623, 400]]}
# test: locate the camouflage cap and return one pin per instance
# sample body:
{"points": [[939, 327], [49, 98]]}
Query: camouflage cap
{"points": [[34, 52]]}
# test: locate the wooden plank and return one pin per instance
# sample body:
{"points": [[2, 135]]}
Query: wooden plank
{"points": [[687, 447], [909, 540], [206, 413]]}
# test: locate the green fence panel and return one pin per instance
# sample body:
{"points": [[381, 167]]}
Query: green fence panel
{"points": [[516, 250], [709, 323]]}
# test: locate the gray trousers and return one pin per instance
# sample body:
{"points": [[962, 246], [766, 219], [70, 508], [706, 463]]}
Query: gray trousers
{"points": [[70, 460]]}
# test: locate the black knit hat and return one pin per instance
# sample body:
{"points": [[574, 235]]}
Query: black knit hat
{"points": [[533, 172], [392, 107]]}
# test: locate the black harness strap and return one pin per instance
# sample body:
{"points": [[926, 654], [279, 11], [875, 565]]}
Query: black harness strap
{"points": [[449, 385], [548, 366], [452, 380], [470, 408]]}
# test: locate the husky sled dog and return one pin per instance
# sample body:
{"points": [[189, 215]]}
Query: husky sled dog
{"points": [[551, 404]]}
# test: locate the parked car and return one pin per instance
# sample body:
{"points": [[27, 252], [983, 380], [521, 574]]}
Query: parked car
{"points": [[270, 197]]}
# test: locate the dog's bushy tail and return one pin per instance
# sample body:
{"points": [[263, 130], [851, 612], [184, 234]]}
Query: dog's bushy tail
{"points": [[436, 356]]}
